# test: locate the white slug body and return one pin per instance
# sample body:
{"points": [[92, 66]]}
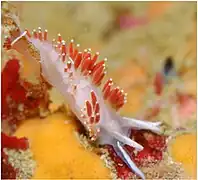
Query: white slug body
{"points": [[78, 77]]}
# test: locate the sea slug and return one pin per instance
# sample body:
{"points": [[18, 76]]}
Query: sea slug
{"points": [[79, 77]]}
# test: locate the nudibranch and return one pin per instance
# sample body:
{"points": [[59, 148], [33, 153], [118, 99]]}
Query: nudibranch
{"points": [[78, 76]]}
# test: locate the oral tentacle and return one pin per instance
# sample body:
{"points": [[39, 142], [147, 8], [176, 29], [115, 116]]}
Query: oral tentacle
{"points": [[129, 162], [18, 38], [126, 140], [134, 123]]}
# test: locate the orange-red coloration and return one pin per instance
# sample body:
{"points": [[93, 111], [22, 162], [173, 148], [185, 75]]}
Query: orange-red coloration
{"points": [[78, 60], [63, 48], [85, 54], [40, 36], [45, 35], [97, 108], [93, 99], [97, 118], [59, 38], [107, 91], [98, 74], [115, 97], [99, 81], [106, 84], [85, 64], [112, 96], [98, 65], [89, 108], [93, 61], [75, 53], [71, 49], [63, 57], [91, 119]]}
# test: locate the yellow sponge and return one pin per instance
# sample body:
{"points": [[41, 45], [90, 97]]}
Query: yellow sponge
{"points": [[183, 149], [57, 151]]}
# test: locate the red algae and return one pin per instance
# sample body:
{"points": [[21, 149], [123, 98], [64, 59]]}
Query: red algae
{"points": [[13, 142], [18, 92], [122, 169], [156, 141], [154, 146], [9, 76], [153, 149], [7, 171], [22, 95], [10, 142]]}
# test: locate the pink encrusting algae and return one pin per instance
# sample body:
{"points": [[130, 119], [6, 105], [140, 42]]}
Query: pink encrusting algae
{"points": [[79, 77]]}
